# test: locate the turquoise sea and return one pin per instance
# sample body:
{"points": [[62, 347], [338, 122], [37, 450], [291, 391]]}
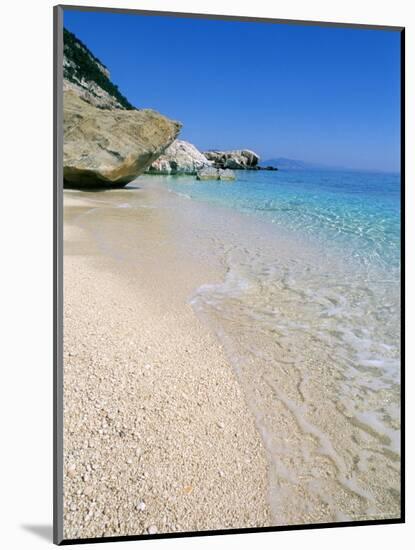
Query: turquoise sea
{"points": [[357, 212]]}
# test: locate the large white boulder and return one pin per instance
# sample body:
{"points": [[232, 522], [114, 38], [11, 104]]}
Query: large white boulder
{"points": [[181, 157]]}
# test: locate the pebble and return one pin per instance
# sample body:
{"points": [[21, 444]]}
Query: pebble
{"points": [[152, 530], [71, 470], [141, 506], [88, 491]]}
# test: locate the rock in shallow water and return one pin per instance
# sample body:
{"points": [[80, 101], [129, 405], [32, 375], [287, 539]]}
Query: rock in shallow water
{"points": [[110, 148], [211, 173]]}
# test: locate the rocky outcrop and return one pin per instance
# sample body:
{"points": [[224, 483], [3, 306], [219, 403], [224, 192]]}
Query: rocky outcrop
{"points": [[181, 157], [243, 159], [88, 77], [110, 147], [211, 173]]}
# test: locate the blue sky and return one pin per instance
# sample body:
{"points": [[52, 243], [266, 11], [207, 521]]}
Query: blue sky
{"points": [[325, 95]]}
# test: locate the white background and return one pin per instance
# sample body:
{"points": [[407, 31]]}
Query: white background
{"points": [[26, 268]]}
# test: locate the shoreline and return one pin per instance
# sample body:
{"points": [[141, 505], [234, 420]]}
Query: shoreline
{"points": [[157, 434], [322, 458], [333, 444]]}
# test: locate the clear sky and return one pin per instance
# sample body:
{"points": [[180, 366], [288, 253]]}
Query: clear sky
{"points": [[324, 95]]}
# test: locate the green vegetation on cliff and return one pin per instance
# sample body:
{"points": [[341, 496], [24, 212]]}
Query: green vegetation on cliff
{"points": [[83, 65]]}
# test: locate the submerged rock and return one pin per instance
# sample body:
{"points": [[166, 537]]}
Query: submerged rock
{"points": [[211, 173], [110, 147], [181, 157], [242, 159]]}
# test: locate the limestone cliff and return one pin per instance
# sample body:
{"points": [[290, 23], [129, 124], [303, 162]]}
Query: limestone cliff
{"points": [[88, 77]]}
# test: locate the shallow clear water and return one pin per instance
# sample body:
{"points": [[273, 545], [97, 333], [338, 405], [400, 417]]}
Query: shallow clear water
{"points": [[358, 211], [309, 313]]}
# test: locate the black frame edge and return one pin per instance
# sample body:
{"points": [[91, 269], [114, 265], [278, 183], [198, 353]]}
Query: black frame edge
{"points": [[242, 531]]}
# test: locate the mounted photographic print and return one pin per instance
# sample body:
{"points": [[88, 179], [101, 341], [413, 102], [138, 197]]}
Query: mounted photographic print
{"points": [[228, 283]]}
